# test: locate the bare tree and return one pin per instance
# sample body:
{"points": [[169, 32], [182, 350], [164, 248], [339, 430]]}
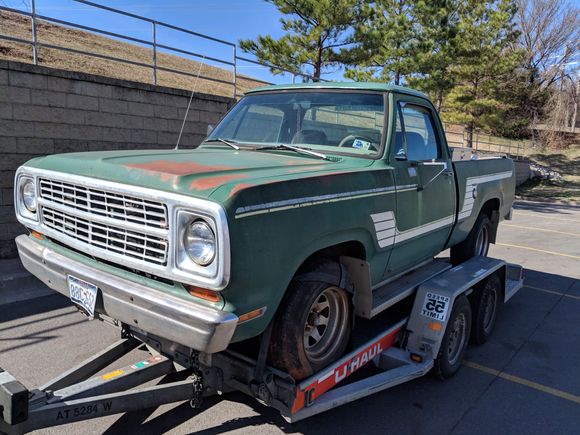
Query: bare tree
{"points": [[550, 36]]}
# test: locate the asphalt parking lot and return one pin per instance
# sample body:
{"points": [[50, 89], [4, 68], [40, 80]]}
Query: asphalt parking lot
{"points": [[526, 379]]}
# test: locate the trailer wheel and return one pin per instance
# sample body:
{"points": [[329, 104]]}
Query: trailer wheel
{"points": [[312, 327], [485, 304], [455, 340], [476, 243]]}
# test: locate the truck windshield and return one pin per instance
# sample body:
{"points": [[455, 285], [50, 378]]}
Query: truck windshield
{"points": [[343, 122]]}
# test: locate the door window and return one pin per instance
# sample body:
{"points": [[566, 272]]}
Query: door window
{"points": [[417, 137]]}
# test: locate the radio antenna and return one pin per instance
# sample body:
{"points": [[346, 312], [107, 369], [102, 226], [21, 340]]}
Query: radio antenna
{"points": [[189, 104]]}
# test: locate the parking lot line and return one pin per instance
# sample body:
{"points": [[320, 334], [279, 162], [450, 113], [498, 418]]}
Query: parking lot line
{"points": [[516, 379], [539, 250], [552, 292], [545, 217], [542, 229]]}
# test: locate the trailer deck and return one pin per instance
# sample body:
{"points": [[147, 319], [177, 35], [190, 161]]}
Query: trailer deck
{"points": [[403, 350]]}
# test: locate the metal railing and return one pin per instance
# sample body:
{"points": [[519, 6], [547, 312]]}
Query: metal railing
{"points": [[485, 142], [229, 62]]}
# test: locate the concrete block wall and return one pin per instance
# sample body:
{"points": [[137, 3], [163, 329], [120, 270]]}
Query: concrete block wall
{"points": [[46, 111]]}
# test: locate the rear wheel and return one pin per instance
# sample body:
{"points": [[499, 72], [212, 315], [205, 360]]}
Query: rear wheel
{"points": [[476, 243], [455, 340], [312, 327], [485, 303]]}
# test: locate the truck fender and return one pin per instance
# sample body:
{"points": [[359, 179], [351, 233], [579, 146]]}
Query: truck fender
{"points": [[327, 271]]}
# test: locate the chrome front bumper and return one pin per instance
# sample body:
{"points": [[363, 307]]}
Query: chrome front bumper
{"points": [[185, 322]]}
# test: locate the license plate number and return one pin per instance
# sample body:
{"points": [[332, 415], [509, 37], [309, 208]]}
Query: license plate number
{"points": [[83, 294]]}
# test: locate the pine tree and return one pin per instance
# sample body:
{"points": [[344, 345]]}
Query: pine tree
{"points": [[484, 63], [316, 30], [386, 42], [436, 49]]}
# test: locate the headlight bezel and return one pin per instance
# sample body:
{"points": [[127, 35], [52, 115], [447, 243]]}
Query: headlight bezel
{"points": [[20, 206], [183, 261]]}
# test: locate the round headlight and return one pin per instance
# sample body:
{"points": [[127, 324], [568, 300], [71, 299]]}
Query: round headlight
{"points": [[29, 196], [199, 242]]}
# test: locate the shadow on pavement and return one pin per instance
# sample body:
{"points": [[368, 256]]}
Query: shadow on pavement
{"points": [[44, 304]]}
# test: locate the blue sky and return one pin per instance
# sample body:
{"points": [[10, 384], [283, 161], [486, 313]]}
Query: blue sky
{"points": [[230, 20]]}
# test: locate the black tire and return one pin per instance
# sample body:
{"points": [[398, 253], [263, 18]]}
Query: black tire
{"points": [[301, 318], [476, 243], [484, 305], [455, 340]]}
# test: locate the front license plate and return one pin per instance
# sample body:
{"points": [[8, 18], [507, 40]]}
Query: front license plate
{"points": [[83, 294]]}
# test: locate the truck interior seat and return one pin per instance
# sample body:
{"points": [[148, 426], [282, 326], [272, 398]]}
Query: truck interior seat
{"points": [[310, 136]]}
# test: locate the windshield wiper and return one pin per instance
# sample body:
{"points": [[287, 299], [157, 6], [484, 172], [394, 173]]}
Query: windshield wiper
{"points": [[230, 143], [299, 150]]}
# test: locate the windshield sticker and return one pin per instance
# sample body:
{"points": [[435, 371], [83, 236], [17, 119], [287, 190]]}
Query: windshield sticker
{"points": [[361, 144]]}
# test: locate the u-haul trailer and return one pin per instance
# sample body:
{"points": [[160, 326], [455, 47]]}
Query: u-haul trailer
{"points": [[429, 332]]}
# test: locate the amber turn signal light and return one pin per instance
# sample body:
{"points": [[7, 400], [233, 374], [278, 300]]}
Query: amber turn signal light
{"points": [[251, 315], [202, 293], [36, 235]]}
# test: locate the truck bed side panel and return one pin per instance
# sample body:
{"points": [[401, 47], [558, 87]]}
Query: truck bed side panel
{"points": [[480, 181]]}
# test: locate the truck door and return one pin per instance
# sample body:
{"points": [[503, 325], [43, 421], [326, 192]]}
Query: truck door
{"points": [[425, 198]]}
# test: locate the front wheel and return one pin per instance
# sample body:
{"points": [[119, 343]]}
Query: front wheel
{"points": [[312, 327], [455, 340]]}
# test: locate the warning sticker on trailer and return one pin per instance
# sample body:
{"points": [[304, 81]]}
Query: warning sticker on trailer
{"points": [[435, 306]]}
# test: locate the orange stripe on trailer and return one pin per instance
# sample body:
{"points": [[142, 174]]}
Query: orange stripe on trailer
{"points": [[310, 389]]}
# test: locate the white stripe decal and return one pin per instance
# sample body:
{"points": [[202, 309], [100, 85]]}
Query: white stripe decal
{"points": [[385, 225], [387, 237], [471, 184], [274, 206]]}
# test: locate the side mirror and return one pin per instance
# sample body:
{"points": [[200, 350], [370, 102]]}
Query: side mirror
{"points": [[209, 128]]}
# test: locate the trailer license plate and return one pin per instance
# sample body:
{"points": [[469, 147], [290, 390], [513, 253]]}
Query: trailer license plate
{"points": [[83, 294]]}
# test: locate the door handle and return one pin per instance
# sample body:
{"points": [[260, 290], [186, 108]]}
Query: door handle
{"points": [[448, 173]]}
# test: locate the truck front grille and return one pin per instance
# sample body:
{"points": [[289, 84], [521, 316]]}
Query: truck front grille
{"points": [[115, 206], [111, 222]]}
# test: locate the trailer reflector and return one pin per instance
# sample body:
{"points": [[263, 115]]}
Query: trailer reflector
{"points": [[435, 326]]}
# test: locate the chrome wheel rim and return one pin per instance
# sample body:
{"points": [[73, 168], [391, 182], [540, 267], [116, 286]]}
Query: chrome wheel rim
{"points": [[326, 324], [457, 338], [482, 243]]}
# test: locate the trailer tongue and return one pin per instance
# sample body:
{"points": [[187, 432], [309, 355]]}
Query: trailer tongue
{"points": [[403, 350]]}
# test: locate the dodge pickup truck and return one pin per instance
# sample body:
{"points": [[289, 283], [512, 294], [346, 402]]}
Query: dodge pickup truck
{"points": [[290, 217]]}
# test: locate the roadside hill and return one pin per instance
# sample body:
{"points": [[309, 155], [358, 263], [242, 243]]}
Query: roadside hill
{"points": [[20, 27]]}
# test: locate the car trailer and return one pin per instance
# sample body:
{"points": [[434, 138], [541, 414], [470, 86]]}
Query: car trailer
{"points": [[404, 345]]}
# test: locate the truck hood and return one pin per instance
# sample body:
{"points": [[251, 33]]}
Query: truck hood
{"points": [[196, 172]]}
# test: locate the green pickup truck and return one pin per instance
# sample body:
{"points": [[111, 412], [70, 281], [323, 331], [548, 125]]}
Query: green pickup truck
{"points": [[300, 206]]}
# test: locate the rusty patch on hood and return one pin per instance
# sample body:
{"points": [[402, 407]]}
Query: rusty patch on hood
{"points": [[215, 181], [239, 187], [170, 167]]}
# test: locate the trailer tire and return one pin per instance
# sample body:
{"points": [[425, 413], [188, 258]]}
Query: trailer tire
{"points": [[455, 340], [484, 305], [476, 243], [317, 303]]}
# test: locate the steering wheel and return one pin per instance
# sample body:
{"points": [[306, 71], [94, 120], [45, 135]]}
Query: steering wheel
{"points": [[353, 137]]}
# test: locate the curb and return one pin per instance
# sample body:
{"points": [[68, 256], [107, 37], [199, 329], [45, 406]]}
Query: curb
{"points": [[546, 200]]}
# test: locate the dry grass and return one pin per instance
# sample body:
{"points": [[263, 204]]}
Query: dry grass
{"points": [[18, 26], [567, 163]]}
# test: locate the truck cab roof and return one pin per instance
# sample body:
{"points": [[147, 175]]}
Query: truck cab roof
{"points": [[359, 86]]}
